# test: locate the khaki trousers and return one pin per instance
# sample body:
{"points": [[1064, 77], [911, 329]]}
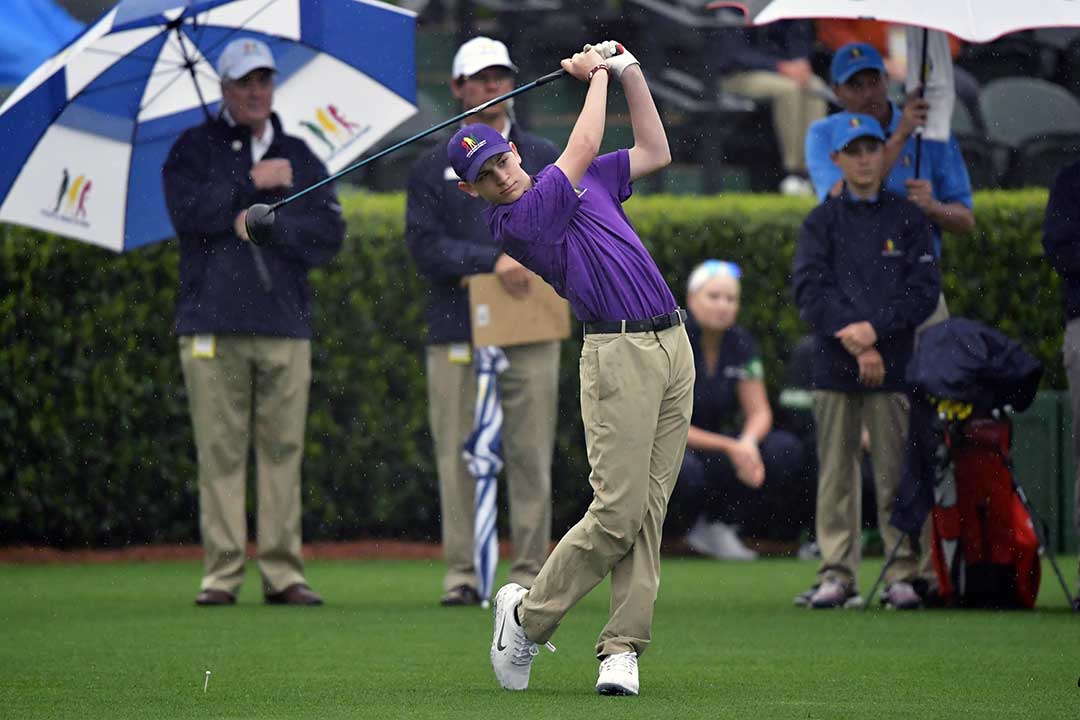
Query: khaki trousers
{"points": [[266, 380], [1072, 371], [839, 419], [637, 394], [529, 390], [793, 109]]}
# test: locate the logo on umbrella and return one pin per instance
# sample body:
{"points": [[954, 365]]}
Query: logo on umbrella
{"points": [[330, 126], [71, 198]]}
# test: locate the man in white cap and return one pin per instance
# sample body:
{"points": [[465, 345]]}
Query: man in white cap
{"points": [[449, 241], [243, 316]]}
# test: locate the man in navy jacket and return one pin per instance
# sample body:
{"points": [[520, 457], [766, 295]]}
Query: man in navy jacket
{"points": [[449, 241], [1061, 240], [243, 316], [864, 277]]}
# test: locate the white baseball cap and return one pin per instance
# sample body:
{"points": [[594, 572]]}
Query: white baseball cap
{"points": [[480, 53], [243, 55]]}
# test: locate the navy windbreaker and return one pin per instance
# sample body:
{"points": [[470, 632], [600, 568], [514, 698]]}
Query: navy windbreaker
{"points": [[1061, 235], [870, 261], [207, 184]]}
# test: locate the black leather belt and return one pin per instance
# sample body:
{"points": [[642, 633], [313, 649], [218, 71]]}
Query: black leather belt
{"points": [[658, 322]]}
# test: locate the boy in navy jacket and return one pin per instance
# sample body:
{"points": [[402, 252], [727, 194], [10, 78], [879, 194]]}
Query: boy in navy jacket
{"points": [[864, 277]]}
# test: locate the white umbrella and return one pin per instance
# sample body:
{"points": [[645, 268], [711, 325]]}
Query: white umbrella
{"points": [[972, 20]]}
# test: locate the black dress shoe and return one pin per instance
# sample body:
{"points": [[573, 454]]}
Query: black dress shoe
{"points": [[215, 597], [460, 595], [295, 594]]}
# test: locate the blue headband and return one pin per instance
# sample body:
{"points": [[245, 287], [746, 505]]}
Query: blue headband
{"points": [[708, 270]]}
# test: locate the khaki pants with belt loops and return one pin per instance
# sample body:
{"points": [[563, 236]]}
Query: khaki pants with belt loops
{"points": [[637, 394]]}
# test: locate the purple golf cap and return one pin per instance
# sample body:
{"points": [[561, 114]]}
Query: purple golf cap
{"points": [[470, 148]]}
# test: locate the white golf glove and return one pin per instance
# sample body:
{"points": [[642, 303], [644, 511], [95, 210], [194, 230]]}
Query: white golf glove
{"points": [[617, 57]]}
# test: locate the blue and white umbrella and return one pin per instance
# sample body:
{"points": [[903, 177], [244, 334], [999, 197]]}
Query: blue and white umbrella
{"points": [[83, 139], [33, 31], [483, 453]]}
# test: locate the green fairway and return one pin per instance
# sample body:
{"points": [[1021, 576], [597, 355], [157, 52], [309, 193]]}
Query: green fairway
{"points": [[125, 640]]}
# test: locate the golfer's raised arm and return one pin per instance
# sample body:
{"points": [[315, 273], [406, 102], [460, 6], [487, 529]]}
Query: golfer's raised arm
{"points": [[650, 151], [584, 142]]}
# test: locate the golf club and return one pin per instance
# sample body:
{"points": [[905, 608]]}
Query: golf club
{"points": [[259, 220]]}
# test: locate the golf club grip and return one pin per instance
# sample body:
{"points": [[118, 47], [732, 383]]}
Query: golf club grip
{"points": [[549, 77], [434, 128]]}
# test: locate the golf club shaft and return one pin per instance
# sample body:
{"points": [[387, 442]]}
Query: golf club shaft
{"points": [[435, 128]]}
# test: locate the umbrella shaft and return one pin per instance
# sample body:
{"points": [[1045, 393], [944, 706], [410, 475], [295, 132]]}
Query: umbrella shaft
{"points": [[922, 92], [435, 128]]}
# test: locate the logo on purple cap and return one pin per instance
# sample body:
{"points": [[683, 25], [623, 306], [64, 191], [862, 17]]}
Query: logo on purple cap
{"points": [[471, 145]]}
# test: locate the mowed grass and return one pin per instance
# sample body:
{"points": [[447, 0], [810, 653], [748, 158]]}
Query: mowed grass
{"points": [[125, 641]]}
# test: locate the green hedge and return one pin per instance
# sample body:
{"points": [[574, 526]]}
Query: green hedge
{"points": [[95, 440]]}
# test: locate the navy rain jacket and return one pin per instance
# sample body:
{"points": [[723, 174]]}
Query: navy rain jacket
{"points": [[871, 261], [447, 235], [207, 184], [1061, 235]]}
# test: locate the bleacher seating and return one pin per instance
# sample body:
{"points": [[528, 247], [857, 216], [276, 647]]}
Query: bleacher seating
{"points": [[722, 141], [1010, 56], [1037, 121], [985, 161]]}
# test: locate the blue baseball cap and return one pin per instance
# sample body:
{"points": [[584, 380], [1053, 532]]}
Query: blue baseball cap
{"points": [[852, 58], [852, 126], [471, 147]]}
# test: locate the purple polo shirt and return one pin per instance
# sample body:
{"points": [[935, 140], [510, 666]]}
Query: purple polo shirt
{"points": [[581, 243]]}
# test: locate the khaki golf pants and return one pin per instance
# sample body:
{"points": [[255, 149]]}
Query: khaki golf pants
{"points": [[529, 392], [794, 109], [839, 418], [637, 394], [263, 379]]}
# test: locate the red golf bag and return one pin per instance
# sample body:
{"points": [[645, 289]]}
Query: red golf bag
{"points": [[985, 548]]}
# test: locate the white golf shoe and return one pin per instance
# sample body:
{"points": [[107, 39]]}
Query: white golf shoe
{"points": [[718, 540], [618, 675], [512, 652]]}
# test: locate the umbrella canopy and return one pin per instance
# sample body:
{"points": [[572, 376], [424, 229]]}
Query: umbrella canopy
{"points": [[33, 31], [85, 136], [972, 20], [483, 453]]}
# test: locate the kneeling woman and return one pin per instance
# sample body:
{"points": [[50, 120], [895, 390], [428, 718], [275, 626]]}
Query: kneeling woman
{"points": [[731, 451]]}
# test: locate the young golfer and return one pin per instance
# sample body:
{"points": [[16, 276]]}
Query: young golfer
{"points": [[864, 277], [637, 369]]}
